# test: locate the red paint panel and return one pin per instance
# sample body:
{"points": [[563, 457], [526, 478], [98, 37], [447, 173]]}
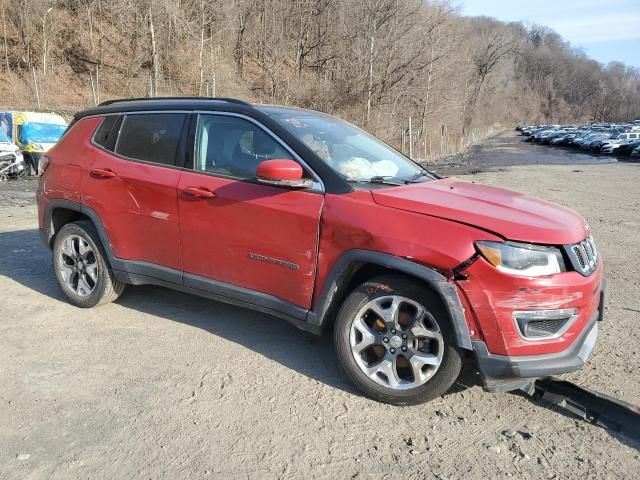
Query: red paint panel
{"points": [[512, 215], [63, 178], [277, 227], [494, 296], [354, 221]]}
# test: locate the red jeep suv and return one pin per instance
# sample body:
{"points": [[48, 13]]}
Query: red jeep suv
{"points": [[303, 216]]}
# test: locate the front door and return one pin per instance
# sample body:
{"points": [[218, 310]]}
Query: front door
{"points": [[237, 231]]}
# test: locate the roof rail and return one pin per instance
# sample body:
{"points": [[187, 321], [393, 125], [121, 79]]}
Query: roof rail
{"points": [[221, 99]]}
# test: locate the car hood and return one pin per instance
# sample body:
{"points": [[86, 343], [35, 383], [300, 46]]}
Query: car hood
{"points": [[511, 215], [7, 147]]}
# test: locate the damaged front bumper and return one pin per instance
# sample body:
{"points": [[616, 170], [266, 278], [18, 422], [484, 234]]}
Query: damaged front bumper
{"points": [[501, 373], [528, 328]]}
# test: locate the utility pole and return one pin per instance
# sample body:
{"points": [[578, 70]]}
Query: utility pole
{"points": [[410, 140], [35, 83], [45, 43]]}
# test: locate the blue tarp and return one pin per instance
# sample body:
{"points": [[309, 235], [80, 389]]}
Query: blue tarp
{"points": [[33, 132]]}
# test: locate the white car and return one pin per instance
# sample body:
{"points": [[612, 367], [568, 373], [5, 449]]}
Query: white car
{"points": [[11, 159]]}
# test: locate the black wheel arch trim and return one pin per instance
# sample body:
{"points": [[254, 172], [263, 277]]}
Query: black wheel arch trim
{"points": [[126, 266], [47, 234], [351, 261]]}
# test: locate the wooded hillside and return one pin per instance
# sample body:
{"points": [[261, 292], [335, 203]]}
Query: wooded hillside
{"points": [[375, 62]]}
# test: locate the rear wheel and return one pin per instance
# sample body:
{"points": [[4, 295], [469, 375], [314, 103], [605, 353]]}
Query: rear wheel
{"points": [[395, 343], [81, 268]]}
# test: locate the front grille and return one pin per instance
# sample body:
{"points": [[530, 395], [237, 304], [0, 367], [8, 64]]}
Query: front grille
{"points": [[584, 256]]}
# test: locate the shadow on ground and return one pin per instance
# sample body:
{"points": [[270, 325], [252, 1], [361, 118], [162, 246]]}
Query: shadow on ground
{"points": [[26, 261]]}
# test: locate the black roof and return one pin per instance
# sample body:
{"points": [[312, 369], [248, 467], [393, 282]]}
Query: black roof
{"points": [[160, 99], [163, 103], [187, 103]]}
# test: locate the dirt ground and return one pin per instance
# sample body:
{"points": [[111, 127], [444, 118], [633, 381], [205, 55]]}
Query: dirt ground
{"points": [[162, 385]]}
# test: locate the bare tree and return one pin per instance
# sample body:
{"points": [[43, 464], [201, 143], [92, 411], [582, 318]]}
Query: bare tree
{"points": [[153, 77], [494, 46], [374, 62]]}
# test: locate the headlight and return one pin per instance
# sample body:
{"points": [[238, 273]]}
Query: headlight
{"points": [[37, 146], [522, 259]]}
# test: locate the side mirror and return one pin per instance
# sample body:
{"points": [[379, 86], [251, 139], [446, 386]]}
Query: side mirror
{"points": [[282, 173]]}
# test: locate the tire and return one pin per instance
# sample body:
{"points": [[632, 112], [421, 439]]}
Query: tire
{"points": [[402, 383], [72, 268]]}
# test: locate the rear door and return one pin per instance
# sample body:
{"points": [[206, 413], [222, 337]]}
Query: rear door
{"points": [[241, 232], [131, 183]]}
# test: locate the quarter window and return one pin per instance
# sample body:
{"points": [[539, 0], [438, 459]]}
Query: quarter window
{"points": [[233, 146], [151, 137], [105, 132]]}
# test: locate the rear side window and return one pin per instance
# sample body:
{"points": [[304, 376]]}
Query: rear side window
{"points": [[105, 135], [151, 137]]}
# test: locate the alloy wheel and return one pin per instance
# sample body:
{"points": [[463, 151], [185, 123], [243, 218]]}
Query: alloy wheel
{"points": [[396, 342], [78, 265]]}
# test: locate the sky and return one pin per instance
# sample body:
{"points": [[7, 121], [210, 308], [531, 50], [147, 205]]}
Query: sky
{"points": [[606, 30]]}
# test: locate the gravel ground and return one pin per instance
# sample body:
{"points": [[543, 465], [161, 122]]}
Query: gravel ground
{"points": [[165, 385]]}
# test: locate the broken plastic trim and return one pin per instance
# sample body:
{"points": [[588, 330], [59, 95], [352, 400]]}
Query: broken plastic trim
{"points": [[594, 407], [463, 266]]}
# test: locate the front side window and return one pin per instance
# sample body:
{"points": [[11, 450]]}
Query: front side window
{"points": [[152, 137], [233, 146], [350, 151]]}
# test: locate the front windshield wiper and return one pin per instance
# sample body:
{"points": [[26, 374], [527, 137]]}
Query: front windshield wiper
{"points": [[391, 180], [421, 173], [386, 179]]}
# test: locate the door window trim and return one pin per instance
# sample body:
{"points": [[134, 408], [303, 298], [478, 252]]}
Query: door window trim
{"points": [[190, 142], [318, 185]]}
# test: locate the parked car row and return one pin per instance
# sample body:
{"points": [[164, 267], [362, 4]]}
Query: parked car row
{"points": [[608, 139]]}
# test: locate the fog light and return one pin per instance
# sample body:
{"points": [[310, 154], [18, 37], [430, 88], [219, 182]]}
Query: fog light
{"points": [[544, 324]]}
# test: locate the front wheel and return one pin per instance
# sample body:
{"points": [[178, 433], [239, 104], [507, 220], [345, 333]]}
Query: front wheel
{"points": [[394, 341]]}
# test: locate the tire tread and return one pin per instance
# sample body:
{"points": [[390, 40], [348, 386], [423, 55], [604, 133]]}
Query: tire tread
{"points": [[112, 288]]}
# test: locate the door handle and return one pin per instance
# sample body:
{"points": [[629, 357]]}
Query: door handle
{"points": [[103, 173], [199, 192]]}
